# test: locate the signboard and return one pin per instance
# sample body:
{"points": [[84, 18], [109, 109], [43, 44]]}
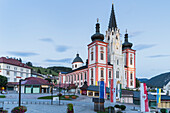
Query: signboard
{"points": [[144, 98]]}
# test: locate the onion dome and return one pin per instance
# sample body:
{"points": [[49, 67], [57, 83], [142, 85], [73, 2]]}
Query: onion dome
{"points": [[97, 35], [77, 59], [126, 44]]}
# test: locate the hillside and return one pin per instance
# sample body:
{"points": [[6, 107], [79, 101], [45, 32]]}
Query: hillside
{"points": [[159, 80], [51, 70], [143, 80]]}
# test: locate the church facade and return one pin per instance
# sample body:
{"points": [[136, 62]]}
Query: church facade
{"points": [[107, 59]]}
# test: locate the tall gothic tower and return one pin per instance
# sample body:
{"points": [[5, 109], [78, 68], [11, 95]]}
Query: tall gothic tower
{"points": [[115, 56]]}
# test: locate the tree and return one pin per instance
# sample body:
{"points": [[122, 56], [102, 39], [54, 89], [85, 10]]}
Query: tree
{"points": [[20, 60], [49, 80], [39, 71], [3, 81], [137, 83], [50, 72], [29, 64]]}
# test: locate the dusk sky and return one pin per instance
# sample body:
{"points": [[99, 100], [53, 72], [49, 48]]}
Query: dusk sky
{"points": [[51, 32]]}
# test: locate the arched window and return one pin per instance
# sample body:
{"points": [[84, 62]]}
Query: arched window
{"points": [[91, 72], [117, 74], [74, 77], [92, 54], [75, 65], [117, 61], [78, 77], [110, 74], [102, 55], [102, 72], [81, 76], [131, 75], [131, 60]]}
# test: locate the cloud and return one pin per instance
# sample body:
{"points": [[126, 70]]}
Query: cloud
{"points": [[23, 54], [62, 48], [65, 60], [135, 33], [144, 46], [47, 39], [158, 56]]}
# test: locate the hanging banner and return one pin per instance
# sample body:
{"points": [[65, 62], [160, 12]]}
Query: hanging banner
{"points": [[101, 89], [158, 95], [111, 91], [114, 90], [144, 98]]}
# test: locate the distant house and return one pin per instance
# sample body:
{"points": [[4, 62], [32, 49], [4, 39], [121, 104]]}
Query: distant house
{"points": [[14, 70], [35, 85]]}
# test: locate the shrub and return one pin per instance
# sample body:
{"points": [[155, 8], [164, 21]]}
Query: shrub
{"points": [[163, 110], [70, 108], [117, 106], [110, 109], [59, 94], [122, 107], [20, 109], [119, 112]]}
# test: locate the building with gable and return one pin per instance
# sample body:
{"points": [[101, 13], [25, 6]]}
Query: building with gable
{"points": [[109, 59]]}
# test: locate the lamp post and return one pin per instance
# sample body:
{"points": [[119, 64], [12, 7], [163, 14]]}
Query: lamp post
{"points": [[52, 94], [20, 91]]}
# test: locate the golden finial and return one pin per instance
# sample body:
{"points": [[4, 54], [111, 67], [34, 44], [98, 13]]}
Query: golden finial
{"points": [[97, 20], [112, 2]]}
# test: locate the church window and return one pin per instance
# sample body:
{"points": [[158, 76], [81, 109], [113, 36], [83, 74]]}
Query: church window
{"points": [[108, 37], [7, 72], [110, 74], [125, 75], [81, 76], [72, 66], [85, 76], [91, 55], [117, 74], [131, 83], [102, 72], [131, 75], [78, 77], [112, 33], [116, 37], [92, 73], [131, 60], [102, 55], [117, 61], [91, 81]]}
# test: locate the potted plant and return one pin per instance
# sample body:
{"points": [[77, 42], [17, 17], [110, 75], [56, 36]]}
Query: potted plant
{"points": [[70, 108], [21, 109]]}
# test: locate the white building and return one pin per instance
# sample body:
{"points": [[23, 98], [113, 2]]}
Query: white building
{"points": [[13, 69], [166, 88]]}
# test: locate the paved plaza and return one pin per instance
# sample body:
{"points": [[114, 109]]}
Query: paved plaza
{"points": [[83, 104]]}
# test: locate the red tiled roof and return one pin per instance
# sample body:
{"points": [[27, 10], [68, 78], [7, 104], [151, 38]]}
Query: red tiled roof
{"points": [[13, 62], [12, 83], [35, 81]]}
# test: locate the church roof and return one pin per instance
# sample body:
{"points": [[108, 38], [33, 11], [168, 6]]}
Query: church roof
{"points": [[77, 59], [97, 35], [126, 44], [112, 22]]}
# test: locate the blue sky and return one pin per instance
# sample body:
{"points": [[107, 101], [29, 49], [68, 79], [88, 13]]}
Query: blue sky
{"points": [[50, 33]]}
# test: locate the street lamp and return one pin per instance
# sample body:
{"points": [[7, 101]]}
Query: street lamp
{"points": [[52, 94], [20, 91]]}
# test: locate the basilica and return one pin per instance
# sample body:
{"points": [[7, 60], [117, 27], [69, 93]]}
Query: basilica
{"points": [[107, 59]]}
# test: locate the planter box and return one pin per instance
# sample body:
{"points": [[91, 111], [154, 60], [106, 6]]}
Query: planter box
{"points": [[73, 97], [67, 97]]}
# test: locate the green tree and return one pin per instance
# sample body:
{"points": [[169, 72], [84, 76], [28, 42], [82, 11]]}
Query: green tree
{"points": [[49, 80], [20, 60], [39, 71], [3, 81], [137, 83], [29, 64], [50, 72]]}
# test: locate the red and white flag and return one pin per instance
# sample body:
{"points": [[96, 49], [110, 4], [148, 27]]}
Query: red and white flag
{"points": [[144, 98], [113, 91]]}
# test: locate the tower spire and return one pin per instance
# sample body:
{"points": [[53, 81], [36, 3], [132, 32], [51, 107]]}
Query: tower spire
{"points": [[112, 22]]}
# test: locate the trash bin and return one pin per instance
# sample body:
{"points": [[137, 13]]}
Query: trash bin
{"points": [[98, 104]]}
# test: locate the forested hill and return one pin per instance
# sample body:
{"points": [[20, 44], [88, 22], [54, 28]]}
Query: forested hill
{"points": [[58, 69], [159, 80]]}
